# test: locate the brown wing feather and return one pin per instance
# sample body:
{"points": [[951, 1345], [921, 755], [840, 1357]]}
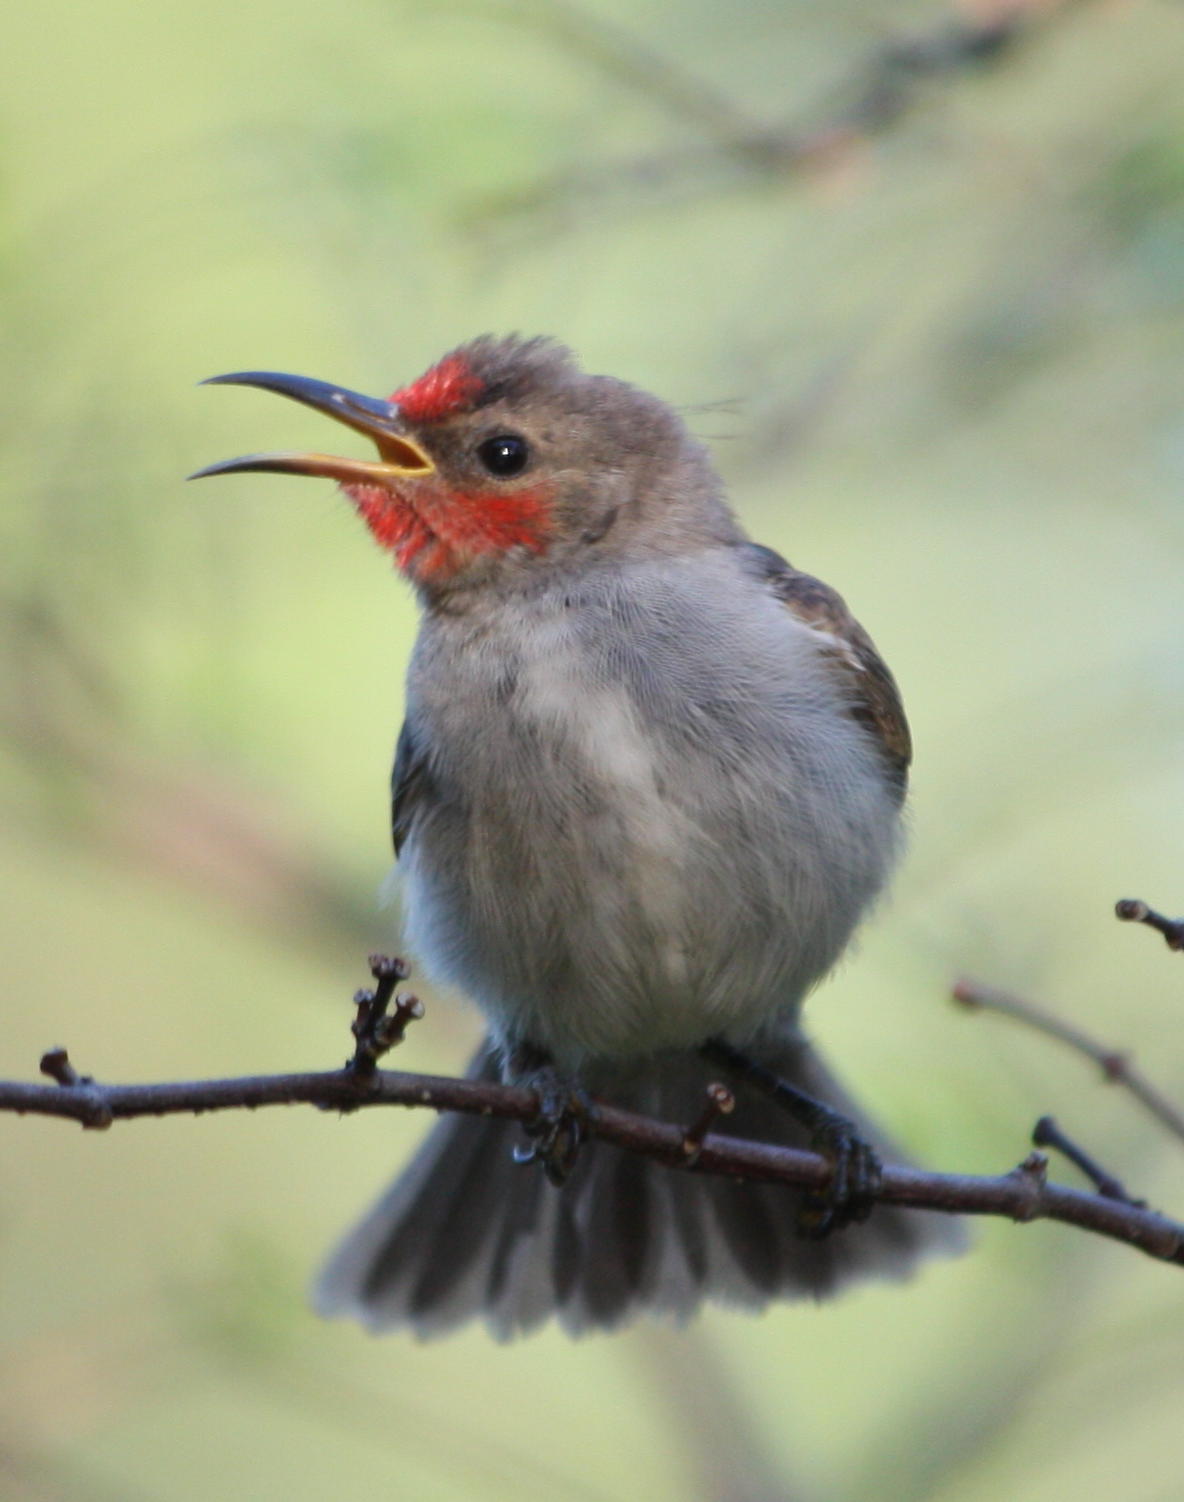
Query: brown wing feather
{"points": [[875, 696], [410, 780]]}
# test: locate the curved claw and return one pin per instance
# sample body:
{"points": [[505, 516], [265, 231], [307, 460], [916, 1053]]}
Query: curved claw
{"points": [[557, 1131], [851, 1192]]}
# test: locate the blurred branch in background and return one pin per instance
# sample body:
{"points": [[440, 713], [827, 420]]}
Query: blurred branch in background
{"points": [[1115, 1063], [63, 715], [878, 94]]}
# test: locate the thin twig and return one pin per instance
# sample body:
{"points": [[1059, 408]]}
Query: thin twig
{"points": [[1047, 1133], [1132, 910], [719, 1102], [1021, 1195], [375, 1028], [1116, 1065]]}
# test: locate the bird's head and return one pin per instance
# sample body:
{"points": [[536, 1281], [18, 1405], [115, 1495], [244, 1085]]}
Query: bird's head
{"points": [[505, 460]]}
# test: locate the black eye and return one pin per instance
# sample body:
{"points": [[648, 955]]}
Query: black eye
{"points": [[505, 455]]}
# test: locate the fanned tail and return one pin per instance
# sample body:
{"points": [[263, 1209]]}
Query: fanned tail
{"points": [[467, 1232]]}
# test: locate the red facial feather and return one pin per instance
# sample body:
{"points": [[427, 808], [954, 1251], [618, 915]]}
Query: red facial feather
{"points": [[433, 537], [449, 387]]}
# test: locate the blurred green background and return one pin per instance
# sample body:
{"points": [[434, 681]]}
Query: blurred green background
{"points": [[920, 273]]}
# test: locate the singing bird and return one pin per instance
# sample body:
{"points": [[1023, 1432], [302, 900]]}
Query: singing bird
{"points": [[649, 781]]}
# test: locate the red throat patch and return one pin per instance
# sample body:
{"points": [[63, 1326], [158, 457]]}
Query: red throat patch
{"points": [[434, 537], [449, 387]]}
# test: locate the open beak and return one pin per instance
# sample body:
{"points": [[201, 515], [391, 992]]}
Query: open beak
{"points": [[399, 456]]}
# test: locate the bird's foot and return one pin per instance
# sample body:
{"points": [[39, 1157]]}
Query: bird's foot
{"points": [[850, 1193], [559, 1128]]}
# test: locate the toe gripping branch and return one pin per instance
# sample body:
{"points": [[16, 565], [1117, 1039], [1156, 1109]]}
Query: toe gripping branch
{"points": [[855, 1166], [559, 1127]]}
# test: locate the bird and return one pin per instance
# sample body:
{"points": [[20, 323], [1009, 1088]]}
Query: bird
{"points": [[649, 781]]}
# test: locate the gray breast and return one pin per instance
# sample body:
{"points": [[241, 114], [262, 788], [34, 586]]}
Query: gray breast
{"points": [[648, 822]]}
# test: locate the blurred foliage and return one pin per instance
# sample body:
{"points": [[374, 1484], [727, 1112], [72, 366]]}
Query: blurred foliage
{"points": [[921, 273]]}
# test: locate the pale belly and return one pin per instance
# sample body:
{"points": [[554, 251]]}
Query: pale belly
{"points": [[616, 863], [603, 891]]}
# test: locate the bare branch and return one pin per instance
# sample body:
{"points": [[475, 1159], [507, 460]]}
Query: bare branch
{"points": [[719, 1102], [1021, 1195], [1132, 910], [376, 1029], [1047, 1133], [1116, 1066]]}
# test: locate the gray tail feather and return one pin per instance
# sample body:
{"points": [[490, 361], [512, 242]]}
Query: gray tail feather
{"points": [[467, 1232]]}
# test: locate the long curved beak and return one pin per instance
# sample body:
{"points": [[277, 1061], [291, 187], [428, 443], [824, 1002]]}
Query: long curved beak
{"points": [[400, 456]]}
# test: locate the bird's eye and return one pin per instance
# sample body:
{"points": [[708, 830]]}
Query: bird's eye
{"points": [[505, 455]]}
